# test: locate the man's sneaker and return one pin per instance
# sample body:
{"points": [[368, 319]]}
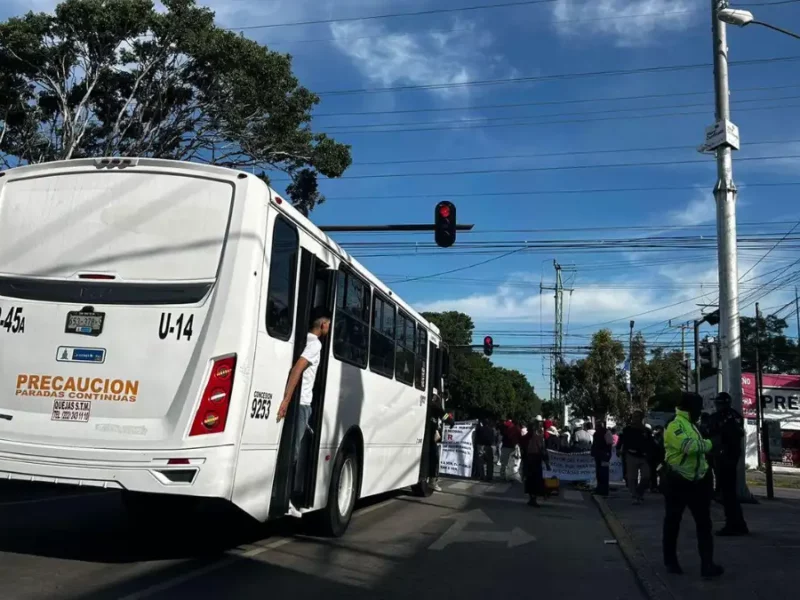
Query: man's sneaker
{"points": [[711, 571], [293, 512], [436, 487]]}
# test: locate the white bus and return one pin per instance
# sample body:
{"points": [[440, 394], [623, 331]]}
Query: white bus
{"points": [[150, 312]]}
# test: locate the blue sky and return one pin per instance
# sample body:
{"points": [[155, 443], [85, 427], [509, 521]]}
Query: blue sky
{"points": [[563, 116]]}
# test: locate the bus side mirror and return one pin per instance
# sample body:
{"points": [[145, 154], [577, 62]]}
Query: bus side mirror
{"points": [[445, 364]]}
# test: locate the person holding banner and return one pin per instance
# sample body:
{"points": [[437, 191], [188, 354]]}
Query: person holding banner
{"points": [[536, 457]]}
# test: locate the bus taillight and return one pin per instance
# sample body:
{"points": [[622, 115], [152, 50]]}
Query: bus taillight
{"points": [[213, 410]]}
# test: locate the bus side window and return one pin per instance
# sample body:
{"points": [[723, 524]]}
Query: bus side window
{"points": [[282, 278], [421, 363], [404, 362], [351, 321], [381, 346]]}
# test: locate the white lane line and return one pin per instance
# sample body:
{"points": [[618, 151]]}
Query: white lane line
{"points": [[55, 498], [231, 559]]}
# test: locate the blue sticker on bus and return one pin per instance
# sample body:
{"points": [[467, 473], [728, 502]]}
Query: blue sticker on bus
{"points": [[81, 355]]}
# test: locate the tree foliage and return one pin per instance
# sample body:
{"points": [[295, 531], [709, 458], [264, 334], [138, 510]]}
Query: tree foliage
{"points": [[477, 387], [778, 353], [116, 77], [594, 386]]}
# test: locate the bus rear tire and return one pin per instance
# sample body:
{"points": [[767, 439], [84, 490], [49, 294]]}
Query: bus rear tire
{"points": [[343, 492]]}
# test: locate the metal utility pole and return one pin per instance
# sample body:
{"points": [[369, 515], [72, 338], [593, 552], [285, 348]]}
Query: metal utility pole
{"points": [[797, 313], [558, 333], [630, 365], [723, 137], [760, 420], [697, 356]]}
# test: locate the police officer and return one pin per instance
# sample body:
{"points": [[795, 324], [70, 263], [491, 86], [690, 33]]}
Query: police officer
{"points": [[726, 428], [687, 482]]}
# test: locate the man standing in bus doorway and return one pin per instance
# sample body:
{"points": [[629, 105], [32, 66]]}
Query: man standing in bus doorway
{"points": [[306, 369]]}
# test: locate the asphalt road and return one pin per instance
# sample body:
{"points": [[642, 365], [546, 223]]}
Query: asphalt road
{"points": [[472, 541]]}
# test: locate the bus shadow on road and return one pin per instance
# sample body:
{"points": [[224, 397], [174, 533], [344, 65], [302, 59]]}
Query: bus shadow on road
{"points": [[94, 527]]}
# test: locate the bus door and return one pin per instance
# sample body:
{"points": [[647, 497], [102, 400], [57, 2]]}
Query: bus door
{"points": [[296, 482]]}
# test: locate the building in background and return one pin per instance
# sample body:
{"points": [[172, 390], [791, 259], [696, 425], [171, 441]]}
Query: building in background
{"points": [[780, 401]]}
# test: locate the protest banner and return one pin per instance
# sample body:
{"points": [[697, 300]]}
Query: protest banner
{"points": [[579, 466], [457, 449]]}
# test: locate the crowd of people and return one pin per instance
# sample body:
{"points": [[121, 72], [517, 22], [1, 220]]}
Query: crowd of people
{"points": [[684, 460]]}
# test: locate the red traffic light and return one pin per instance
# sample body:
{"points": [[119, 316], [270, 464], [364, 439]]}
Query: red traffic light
{"points": [[444, 211], [488, 340]]}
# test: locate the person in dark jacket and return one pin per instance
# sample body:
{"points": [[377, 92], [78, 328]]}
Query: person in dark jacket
{"points": [[635, 444], [602, 443], [726, 429], [484, 441], [535, 458]]}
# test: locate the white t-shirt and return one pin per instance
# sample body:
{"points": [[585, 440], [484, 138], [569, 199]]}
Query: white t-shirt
{"points": [[311, 354]]}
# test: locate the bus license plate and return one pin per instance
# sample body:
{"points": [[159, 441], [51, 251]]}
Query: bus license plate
{"points": [[71, 410], [85, 323]]}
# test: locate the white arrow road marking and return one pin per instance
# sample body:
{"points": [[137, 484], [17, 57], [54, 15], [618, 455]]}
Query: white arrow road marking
{"points": [[456, 532]]}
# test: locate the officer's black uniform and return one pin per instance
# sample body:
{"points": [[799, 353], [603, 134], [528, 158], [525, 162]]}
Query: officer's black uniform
{"points": [[726, 427]]}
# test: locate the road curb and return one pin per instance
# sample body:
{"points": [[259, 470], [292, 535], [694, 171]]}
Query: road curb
{"points": [[649, 580]]}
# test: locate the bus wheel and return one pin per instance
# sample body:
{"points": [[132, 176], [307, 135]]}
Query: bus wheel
{"points": [[423, 489], [342, 493]]}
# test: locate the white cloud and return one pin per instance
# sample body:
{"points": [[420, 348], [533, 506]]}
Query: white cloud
{"points": [[601, 17], [417, 58], [699, 210]]}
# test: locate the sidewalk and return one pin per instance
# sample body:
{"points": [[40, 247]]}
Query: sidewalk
{"points": [[758, 566]]}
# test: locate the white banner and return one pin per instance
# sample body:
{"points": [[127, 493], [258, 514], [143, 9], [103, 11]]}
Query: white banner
{"points": [[457, 449], [579, 466]]}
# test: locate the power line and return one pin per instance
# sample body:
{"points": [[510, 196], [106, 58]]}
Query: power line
{"points": [[342, 129], [559, 102], [564, 153], [417, 13], [773, 248], [558, 76], [472, 29], [549, 115], [557, 168], [480, 195]]}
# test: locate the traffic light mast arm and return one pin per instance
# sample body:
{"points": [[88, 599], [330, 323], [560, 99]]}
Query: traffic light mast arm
{"points": [[396, 227]]}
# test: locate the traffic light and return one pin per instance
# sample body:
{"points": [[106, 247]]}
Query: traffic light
{"points": [[708, 353], [712, 318], [488, 345], [445, 224], [686, 370]]}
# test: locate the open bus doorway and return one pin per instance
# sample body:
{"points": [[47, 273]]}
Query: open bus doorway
{"points": [[295, 481]]}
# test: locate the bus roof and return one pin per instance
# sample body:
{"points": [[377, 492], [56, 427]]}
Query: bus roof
{"points": [[282, 205]]}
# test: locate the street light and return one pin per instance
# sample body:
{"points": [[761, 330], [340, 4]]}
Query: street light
{"points": [[741, 18]]}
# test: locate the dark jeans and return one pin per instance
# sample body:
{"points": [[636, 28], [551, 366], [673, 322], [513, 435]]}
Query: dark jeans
{"points": [[678, 494], [734, 519], [602, 475], [486, 462]]}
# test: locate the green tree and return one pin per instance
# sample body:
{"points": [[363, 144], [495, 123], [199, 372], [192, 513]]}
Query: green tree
{"points": [[642, 380], [778, 353], [456, 327], [116, 77], [593, 386], [665, 369], [478, 388]]}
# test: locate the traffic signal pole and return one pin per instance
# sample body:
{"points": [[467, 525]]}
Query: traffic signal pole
{"points": [[697, 356], [379, 228]]}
